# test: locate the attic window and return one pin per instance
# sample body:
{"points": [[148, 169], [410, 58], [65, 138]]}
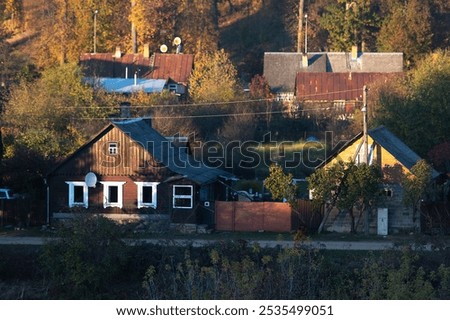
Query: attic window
{"points": [[113, 148], [388, 192]]}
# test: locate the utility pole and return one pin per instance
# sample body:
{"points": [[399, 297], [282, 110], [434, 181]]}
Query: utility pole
{"points": [[365, 152], [300, 26], [95, 31], [365, 158], [133, 31], [306, 33]]}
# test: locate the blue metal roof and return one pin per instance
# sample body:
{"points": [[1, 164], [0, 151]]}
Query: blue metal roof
{"points": [[125, 85], [173, 157]]}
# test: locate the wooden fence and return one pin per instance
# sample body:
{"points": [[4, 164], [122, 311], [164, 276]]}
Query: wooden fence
{"points": [[266, 216]]}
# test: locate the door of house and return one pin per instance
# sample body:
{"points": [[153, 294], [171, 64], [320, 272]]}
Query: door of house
{"points": [[382, 225]]}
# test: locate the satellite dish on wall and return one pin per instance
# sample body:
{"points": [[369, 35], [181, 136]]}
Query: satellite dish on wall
{"points": [[177, 41], [91, 180], [163, 48]]}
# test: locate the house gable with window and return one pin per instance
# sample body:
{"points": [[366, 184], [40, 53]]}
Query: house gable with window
{"points": [[395, 159], [140, 175]]}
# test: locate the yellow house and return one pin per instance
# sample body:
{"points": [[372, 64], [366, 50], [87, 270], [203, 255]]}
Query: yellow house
{"points": [[395, 160]]}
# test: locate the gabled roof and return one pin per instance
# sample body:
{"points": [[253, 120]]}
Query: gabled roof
{"points": [[174, 158], [390, 142], [177, 67], [281, 68], [122, 85]]}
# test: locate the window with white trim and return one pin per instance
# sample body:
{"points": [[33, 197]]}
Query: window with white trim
{"points": [[112, 194], [113, 148], [183, 196], [78, 194], [147, 194]]}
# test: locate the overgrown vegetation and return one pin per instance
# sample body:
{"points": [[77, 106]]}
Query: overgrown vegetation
{"points": [[90, 261]]}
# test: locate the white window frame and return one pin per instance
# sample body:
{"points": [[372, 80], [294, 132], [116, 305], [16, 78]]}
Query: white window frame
{"points": [[72, 185], [119, 185], [140, 194], [190, 196], [113, 148]]}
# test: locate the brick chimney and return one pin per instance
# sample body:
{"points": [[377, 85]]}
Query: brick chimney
{"points": [[305, 60], [354, 52], [146, 50], [118, 53]]}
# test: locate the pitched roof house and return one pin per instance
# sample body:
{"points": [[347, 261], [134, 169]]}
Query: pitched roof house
{"points": [[395, 159], [140, 175], [175, 69], [288, 74]]}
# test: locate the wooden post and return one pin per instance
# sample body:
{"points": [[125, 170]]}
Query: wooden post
{"points": [[300, 26]]}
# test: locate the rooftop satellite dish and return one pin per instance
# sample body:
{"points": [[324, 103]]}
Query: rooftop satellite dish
{"points": [[90, 179], [177, 41], [163, 48]]}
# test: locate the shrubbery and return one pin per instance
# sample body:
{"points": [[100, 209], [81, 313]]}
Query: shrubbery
{"points": [[91, 261]]}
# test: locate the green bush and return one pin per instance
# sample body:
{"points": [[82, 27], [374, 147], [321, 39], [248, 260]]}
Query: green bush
{"points": [[87, 257]]}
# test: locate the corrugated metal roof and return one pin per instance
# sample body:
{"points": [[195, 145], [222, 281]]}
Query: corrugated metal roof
{"points": [[174, 158], [177, 67], [281, 68], [396, 147], [122, 85], [107, 65], [331, 86]]}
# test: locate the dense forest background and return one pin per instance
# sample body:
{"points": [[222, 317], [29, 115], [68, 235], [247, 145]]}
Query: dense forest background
{"points": [[48, 32]]}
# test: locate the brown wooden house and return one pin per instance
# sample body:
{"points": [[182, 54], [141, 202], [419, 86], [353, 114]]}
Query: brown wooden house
{"points": [[138, 175]]}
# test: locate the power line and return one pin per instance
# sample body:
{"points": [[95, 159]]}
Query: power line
{"points": [[215, 115], [206, 104]]}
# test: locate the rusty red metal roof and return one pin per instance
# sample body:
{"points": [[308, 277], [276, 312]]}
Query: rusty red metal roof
{"points": [[332, 86], [177, 67], [107, 65]]}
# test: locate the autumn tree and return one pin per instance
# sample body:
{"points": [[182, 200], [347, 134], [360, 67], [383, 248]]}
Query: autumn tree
{"points": [[349, 23], [12, 13], [358, 191], [416, 107], [415, 185], [324, 185], [407, 29], [214, 78], [345, 186], [155, 22], [439, 156], [198, 25], [49, 115], [66, 29], [281, 185]]}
